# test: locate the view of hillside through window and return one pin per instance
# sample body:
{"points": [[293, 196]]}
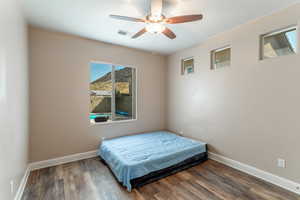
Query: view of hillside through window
{"points": [[112, 93], [279, 43]]}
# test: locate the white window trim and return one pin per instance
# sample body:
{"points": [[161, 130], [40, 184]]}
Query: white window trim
{"points": [[213, 56], [93, 123], [182, 65], [275, 32]]}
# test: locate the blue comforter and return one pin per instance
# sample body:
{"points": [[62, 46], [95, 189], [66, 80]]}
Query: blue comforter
{"points": [[134, 156]]}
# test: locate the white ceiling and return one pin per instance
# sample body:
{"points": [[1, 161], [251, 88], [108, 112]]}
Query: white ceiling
{"points": [[90, 19]]}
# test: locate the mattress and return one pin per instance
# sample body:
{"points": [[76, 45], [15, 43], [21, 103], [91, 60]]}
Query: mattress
{"points": [[130, 157]]}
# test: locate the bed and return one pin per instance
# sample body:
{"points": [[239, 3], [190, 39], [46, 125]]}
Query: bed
{"points": [[143, 158]]}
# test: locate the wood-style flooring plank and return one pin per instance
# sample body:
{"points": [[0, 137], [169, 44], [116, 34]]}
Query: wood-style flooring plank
{"points": [[90, 179]]}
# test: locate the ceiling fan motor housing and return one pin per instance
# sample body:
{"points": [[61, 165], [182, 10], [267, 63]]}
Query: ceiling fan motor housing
{"points": [[155, 19]]}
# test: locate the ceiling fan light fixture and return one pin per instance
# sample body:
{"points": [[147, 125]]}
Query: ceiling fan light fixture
{"points": [[155, 21], [155, 28]]}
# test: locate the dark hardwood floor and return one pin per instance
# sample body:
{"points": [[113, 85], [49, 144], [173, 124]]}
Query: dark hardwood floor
{"points": [[90, 180]]}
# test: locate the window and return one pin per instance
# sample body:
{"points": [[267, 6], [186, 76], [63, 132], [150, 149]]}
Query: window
{"points": [[220, 58], [187, 66], [279, 43], [112, 93]]}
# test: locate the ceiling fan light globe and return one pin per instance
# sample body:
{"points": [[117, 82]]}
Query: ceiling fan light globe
{"points": [[155, 28]]}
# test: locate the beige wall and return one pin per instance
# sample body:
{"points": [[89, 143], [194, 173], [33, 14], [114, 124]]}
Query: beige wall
{"points": [[248, 112], [13, 98], [59, 97]]}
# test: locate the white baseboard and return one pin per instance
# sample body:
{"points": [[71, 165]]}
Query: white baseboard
{"points": [[62, 160], [22, 185], [276, 180], [50, 163], [266, 176]]}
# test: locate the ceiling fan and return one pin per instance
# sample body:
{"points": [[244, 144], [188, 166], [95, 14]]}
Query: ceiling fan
{"points": [[155, 21]]}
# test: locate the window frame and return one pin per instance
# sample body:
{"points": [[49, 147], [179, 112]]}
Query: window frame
{"points": [[113, 85], [213, 57], [183, 72], [275, 32]]}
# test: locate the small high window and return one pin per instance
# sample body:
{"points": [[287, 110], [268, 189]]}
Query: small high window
{"points": [[112, 92], [279, 43], [221, 58], [187, 66]]}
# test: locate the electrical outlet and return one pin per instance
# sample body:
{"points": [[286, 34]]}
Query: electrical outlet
{"points": [[12, 189], [281, 163]]}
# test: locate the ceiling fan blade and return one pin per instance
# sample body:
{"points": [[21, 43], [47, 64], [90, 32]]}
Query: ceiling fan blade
{"points": [[156, 8], [131, 19], [183, 19], [138, 34], [167, 32]]}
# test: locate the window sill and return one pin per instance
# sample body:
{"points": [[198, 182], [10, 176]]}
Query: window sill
{"points": [[92, 123], [279, 57]]}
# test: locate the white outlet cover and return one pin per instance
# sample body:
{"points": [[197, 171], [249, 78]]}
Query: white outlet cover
{"points": [[12, 187], [281, 163]]}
